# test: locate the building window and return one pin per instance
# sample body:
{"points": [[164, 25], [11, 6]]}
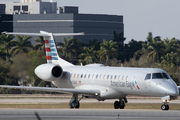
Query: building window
{"points": [[17, 8], [25, 8]]}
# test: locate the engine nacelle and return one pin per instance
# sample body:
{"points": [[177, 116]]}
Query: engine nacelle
{"points": [[49, 72]]}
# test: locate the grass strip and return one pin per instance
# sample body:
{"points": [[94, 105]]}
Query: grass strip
{"points": [[90, 106]]}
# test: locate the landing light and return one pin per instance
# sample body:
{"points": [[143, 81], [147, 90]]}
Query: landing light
{"points": [[96, 94]]}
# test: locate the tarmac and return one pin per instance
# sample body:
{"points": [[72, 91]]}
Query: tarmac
{"points": [[87, 114]]}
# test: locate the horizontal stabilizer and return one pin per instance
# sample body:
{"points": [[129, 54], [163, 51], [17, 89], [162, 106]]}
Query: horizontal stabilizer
{"points": [[44, 34], [61, 90]]}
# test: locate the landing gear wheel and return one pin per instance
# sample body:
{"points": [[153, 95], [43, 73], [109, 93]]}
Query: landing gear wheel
{"points": [[122, 104], [165, 107], [116, 105], [74, 105]]}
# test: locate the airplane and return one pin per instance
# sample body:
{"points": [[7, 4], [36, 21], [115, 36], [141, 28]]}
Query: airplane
{"points": [[98, 81]]}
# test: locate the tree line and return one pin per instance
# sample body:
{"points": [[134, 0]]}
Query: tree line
{"points": [[19, 58]]}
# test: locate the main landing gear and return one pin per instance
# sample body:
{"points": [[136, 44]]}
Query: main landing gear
{"points": [[120, 104], [74, 102]]}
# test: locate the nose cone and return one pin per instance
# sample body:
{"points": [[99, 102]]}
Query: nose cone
{"points": [[173, 91], [168, 87]]}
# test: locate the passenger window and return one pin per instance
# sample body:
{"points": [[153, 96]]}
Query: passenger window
{"points": [[78, 76], [89, 76], [85, 76], [104, 76], [148, 76], [71, 75], [74, 75], [111, 76], [96, 76], [122, 77], [108, 77], [92, 76], [115, 77], [81, 75], [127, 78], [100, 76], [157, 76], [119, 77]]}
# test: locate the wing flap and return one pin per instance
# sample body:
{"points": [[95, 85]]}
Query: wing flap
{"points": [[62, 90]]}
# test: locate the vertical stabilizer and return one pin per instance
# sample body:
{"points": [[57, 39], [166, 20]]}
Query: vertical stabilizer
{"points": [[51, 51]]}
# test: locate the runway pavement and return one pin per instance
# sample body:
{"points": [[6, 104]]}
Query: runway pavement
{"points": [[87, 114], [56, 101]]}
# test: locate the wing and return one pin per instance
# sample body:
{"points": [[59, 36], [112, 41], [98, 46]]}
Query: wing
{"points": [[43, 33], [62, 90]]}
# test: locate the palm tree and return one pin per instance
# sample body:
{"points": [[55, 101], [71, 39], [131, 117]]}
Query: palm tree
{"points": [[89, 55], [119, 38], [70, 47], [40, 45], [5, 41], [95, 43], [3, 54], [21, 45], [156, 49], [171, 45], [108, 49]]}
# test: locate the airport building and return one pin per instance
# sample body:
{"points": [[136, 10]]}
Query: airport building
{"points": [[35, 15]]}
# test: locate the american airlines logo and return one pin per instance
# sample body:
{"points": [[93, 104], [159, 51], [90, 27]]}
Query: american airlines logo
{"points": [[123, 84]]}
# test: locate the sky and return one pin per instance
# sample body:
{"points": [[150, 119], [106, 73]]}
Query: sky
{"points": [[161, 17]]}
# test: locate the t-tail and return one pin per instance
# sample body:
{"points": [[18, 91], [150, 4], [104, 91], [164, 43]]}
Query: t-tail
{"points": [[50, 46]]}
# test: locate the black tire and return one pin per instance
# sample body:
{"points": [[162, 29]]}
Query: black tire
{"points": [[122, 105], [70, 106], [116, 105], [77, 105], [163, 107], [167, 107]]}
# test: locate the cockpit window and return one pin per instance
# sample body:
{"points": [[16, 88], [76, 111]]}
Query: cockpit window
{"points": [[166, 76], [157, 76], [148, 76]]}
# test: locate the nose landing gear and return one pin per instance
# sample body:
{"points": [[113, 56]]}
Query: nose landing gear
{"points": [[165, 106], [74, 102]]}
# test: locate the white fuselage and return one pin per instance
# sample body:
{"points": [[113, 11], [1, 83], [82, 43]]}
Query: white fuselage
{"points": [[117, 82]]}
